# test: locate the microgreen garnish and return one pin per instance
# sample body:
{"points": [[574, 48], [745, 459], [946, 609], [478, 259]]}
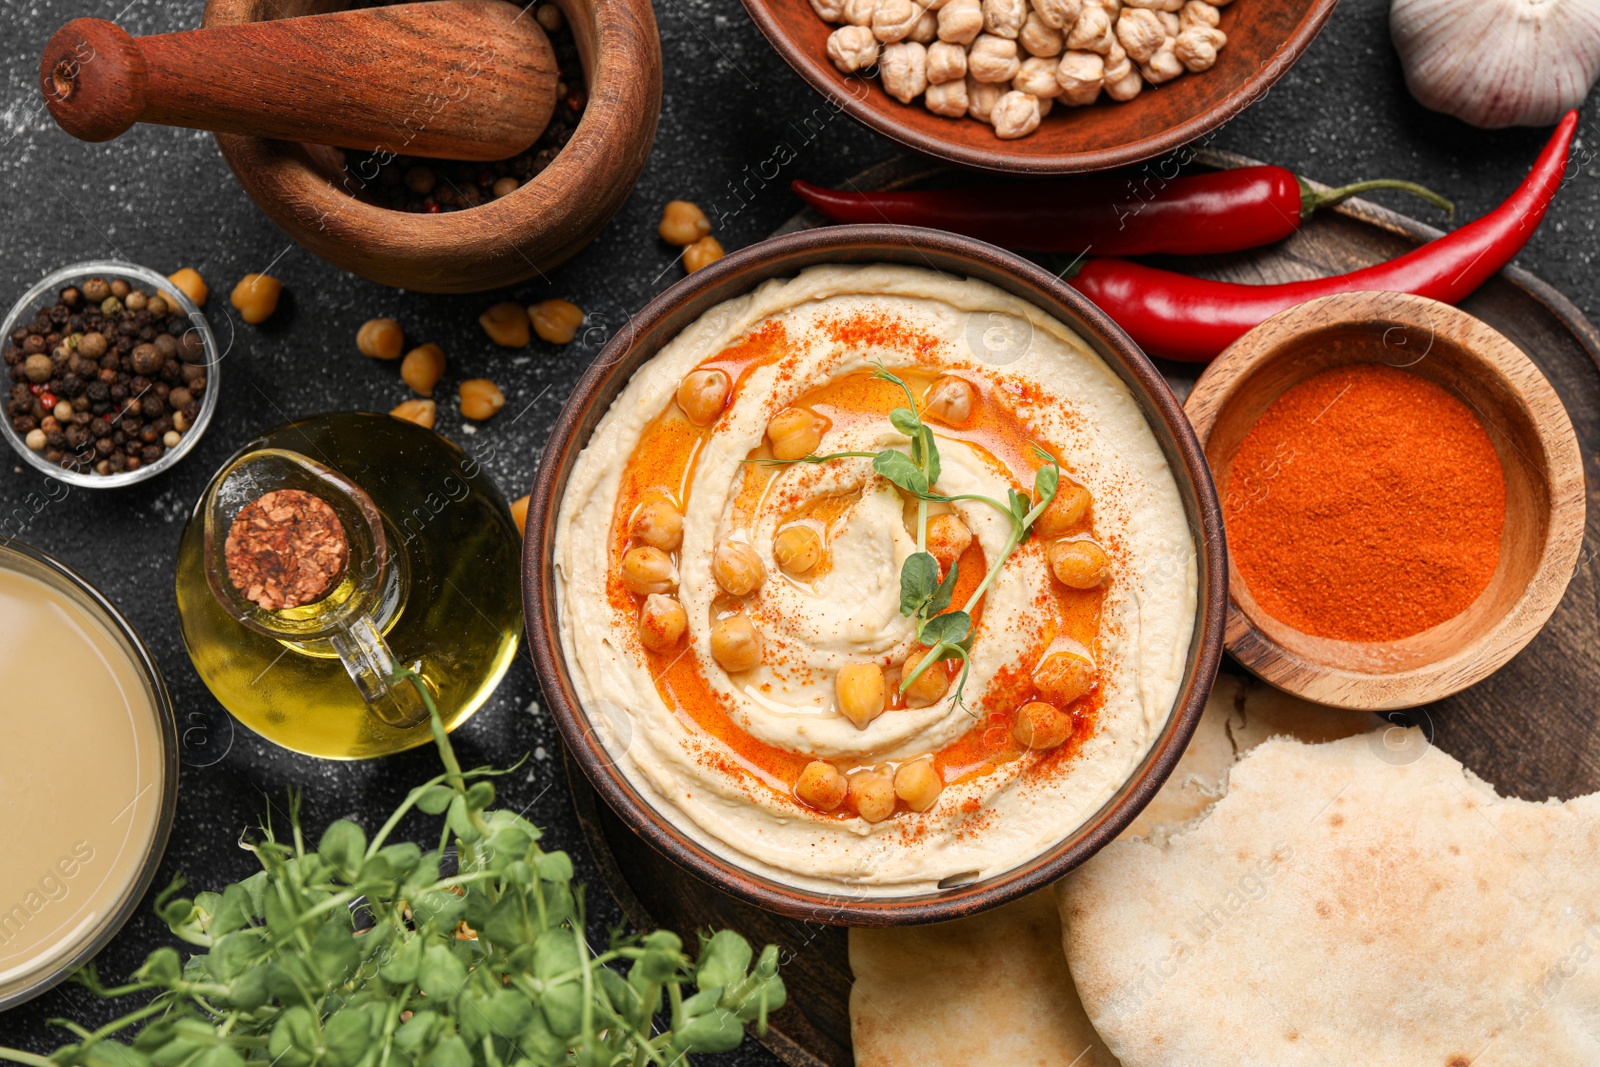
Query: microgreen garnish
{"points": [[923, 597], [485, 967]]}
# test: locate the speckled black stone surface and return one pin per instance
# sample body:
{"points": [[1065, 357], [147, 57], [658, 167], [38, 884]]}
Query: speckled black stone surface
{"points": [[163, 197]]}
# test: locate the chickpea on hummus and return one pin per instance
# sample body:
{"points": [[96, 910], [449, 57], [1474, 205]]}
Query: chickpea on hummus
{"points": [[738, 557]]}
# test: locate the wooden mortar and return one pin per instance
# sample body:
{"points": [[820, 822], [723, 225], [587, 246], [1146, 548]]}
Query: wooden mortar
{"points": [[302, 188]]}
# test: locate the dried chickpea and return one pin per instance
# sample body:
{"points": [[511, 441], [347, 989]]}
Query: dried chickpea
{"points": [[893, 20], [1063, 677], [1015, 115], [821, 786], [421, 412], [859, 12], [646, 570], [852, 48], [904, 70], [1079, 564], [662, 622], [1058, 14], [1170, 23], [1081, 76], [828, 10], [1004, 18], [993, 59], [1199, 13], [918, 784], [795, 432], [926, 31], [872, 795], [422, 368], [734, 643], [519, 510], [948, 98], [683, 223], [947, 538], [556, 321], [481, 399], [703, 394], [1040, 726], [930, 686], [1197, 47], [861, 693], [1092, 32], [737, 568], [1065, 512], [1128, 86], [190, 284], [702, 253], [960, 21], [797, 549], [256, 297], [1039, 38], [506, 324], [659, 525], [1140, 33], [380, 339], [1163, 65], [947, 63], [981, 97], [1037, 78]]}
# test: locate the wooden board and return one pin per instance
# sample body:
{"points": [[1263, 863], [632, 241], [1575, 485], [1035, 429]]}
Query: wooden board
{"points": [[1530, 729]]}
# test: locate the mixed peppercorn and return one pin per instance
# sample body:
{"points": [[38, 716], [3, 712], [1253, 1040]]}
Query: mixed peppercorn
{"points": [[427, 186], [107, 379]]}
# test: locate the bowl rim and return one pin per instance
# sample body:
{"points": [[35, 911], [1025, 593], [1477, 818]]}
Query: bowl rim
{"points": [[734, 275], [112, 922], [1222, 383], [130, 272], [1009, 156]]}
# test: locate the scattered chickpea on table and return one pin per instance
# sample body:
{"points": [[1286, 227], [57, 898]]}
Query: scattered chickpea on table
{"points": [[380, 339], [481, 399], [256, 297], [685, 225], [422, 412], [422, 368]]}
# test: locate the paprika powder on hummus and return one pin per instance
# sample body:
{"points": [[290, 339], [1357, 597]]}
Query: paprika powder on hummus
{"points": [[1366, 504]]}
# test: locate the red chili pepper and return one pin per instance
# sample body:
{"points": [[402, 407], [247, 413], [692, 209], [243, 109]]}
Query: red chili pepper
{"points": [[1223, 211], [1180, 317]]}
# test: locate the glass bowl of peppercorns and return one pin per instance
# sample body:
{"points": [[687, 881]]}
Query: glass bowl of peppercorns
{"points": [[111, 374]]}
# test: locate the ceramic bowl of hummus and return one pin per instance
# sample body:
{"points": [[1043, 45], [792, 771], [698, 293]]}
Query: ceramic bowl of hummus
{"points": [[874, 576]]}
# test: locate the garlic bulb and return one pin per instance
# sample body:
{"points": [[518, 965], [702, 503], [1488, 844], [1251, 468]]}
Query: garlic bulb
{"points": [[1496, 63]]}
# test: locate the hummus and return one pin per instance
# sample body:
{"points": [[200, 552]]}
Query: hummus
{"points": [[717, 741]]}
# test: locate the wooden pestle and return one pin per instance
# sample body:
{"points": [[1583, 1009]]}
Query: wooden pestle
{"points": [[449, 79]]}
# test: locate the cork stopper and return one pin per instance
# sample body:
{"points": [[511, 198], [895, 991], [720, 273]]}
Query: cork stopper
{"points": [[285, 549]]}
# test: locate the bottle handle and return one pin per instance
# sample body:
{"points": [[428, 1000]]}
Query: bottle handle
{"points": [[370, 664]]}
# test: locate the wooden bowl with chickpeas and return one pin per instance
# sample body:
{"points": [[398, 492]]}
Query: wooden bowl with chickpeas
{"points": [[309, 192], [1039, 86], [563, 531]]}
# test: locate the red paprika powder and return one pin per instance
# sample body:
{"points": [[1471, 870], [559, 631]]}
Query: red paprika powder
{"points": [[1366, 504]]}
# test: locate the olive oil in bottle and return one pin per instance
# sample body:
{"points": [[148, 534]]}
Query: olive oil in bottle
{"points": [[298, 631]]}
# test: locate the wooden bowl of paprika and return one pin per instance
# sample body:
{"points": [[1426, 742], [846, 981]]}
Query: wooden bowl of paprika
{"points": [[1403, 495]]}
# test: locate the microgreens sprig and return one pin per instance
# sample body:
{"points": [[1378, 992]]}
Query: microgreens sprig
{"points": [[923, 596], [364, 953]]}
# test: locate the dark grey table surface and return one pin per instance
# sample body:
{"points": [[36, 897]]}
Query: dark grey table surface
{"points": [[163, 198]]}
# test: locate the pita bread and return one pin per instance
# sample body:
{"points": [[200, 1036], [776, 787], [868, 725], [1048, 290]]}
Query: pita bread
{"points": [[992, 989], [926, 996], [1342, 906]]}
